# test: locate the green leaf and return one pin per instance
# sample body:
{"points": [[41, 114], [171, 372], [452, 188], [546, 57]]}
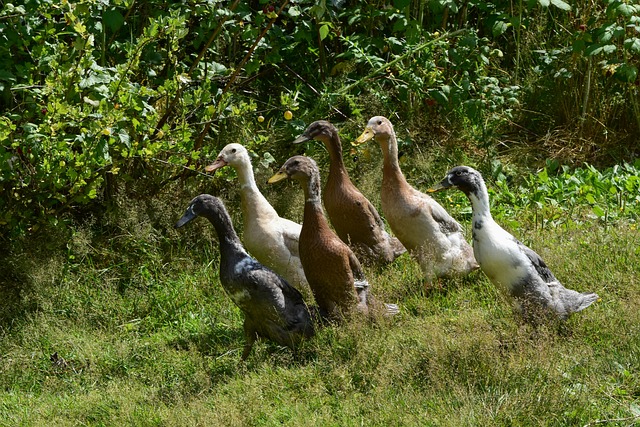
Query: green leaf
{"points": [[627, 73], [324, 31], [499, 28], [632, 44], [544, 3], [102, 150], [401, 4], [543, 175], [598, 211], [561, 5], [626, 9], [294, 11], [596, 49], [113, 19]]}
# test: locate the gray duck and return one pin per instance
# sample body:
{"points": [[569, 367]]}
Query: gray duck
{"points": [[272, 308]]}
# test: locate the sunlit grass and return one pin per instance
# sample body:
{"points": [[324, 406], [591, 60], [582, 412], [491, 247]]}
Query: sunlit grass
{"points": [[145, 335]]}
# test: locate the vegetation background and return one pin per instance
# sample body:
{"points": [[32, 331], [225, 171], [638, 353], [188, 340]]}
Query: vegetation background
{"points": [[110, 110]]}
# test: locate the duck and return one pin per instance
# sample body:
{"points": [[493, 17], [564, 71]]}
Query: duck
{"points": [[355, 220], [510, 265], [335, 275], [271, 239], [433, 238], [272, 308]]}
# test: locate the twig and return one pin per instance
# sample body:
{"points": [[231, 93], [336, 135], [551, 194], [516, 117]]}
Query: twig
{"points": [[313, 89]]}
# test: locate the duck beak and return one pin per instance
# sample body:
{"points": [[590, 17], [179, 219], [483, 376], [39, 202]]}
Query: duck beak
{"points": [[442, 185], [188, 216], [366, 136], [302, 138], [219, 163], [278, 177]]}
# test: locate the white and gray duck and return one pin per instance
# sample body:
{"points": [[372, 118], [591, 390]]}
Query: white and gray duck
{"points": [[334, 273], [355, 220], [271, 306], [510, 265]]}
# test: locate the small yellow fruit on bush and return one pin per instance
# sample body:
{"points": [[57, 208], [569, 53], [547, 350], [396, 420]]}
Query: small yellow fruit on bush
{"points": [[261, 118], [288, 115]]}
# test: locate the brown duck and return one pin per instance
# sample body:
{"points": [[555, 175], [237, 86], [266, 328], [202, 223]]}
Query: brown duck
{"points": [[334, 273], [355, 220]]}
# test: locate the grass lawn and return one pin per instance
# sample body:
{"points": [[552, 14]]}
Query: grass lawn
{"points": [[89, 345]]}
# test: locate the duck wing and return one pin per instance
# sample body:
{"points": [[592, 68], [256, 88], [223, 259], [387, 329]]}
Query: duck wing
{"points": [[374, 213], [538, 263], [291, 236], [447, 224]]}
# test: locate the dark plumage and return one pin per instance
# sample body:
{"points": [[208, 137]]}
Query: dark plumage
{"points": [[508, 263], [332, 270], [272, 308], [355, 220]]}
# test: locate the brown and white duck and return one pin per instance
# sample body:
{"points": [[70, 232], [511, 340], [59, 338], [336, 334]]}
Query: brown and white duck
{"points": [[272, 308], [271, 239], [334, 273], [423, 226], [354, 218]]}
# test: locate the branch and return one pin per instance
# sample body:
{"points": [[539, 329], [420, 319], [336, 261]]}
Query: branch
{"points": [[377, 71]]}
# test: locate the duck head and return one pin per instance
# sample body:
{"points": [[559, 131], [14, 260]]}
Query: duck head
{"points": [[231, 154], [299, 168], [320, 130], [202, 205], [464, 178], [378, 127]]}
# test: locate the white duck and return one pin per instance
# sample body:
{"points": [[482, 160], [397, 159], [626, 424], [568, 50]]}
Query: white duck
{"points": [[424, 227], [509, 264], [272, 240]]}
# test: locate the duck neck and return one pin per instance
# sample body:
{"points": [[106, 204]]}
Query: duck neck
{"points": [[391, 172], [479, 198], [253, 203], [337, 170], [314, 219], [229, 240]]}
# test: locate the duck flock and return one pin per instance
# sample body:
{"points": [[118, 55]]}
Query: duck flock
{"points": [[279, 256]]}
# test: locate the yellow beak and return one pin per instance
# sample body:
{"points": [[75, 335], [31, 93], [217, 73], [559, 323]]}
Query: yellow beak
{"points": [[277, 177], [438, 187], [366, 136]]}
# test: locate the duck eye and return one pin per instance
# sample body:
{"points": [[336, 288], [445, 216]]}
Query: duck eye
{"points": [[379, 122], [458, 173], [233, 150]]}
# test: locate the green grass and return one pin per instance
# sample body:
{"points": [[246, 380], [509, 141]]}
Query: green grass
{"points": [[167, 352], [146, 336]]}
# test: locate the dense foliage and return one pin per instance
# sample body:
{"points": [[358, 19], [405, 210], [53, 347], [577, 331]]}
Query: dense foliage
{"points": [[98, 94], [109, 110]]}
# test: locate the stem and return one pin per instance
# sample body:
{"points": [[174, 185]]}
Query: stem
{"points": [[585, 99]]}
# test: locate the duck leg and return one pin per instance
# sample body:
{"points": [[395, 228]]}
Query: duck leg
{"points": [[250, 335]]}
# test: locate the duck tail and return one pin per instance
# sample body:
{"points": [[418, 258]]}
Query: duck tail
{"points": [[391, 309], [586, 300], [396, 246]]}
